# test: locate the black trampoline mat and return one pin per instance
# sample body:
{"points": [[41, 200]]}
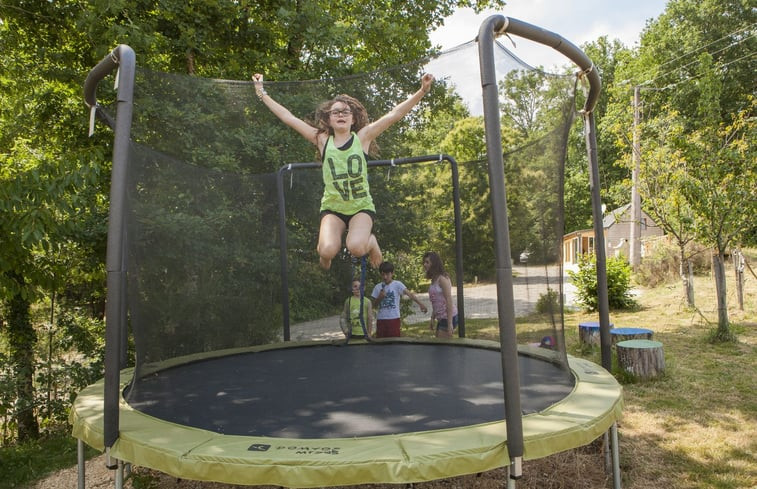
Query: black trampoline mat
{"points": [[333, 391]]}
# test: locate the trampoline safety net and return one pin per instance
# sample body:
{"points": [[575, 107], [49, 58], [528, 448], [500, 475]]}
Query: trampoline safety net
{"points": [[208, 169]]}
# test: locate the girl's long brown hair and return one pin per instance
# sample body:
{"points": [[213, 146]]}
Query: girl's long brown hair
{"points": [[437, 267], [359, 117]]}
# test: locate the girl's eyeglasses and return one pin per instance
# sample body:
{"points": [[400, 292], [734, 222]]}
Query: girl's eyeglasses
{"points": [[343, 112]]}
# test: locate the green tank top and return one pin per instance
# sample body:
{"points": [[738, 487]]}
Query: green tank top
{"points": [[354, 311], [345, 179]]}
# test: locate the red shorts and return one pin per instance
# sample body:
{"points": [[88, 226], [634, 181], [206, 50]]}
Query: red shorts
{"points": [[388, 328]]}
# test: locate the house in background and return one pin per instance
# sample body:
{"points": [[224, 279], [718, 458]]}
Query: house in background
{"points": [[617, 230]]}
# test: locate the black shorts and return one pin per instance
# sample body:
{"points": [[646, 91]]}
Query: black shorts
{"points": [[346, 218]]}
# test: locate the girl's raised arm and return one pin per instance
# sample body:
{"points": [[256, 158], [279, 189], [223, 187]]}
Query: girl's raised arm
{"points": [[303, 128], [374, 129]]}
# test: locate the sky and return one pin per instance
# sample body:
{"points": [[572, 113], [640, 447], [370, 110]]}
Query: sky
{"points": [[576, 21]]}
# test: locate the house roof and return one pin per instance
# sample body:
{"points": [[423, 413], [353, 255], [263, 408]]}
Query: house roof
{"points": [[610, 217], [579, 232]]}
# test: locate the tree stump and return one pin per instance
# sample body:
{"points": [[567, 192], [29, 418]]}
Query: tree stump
{"points": [[623, 334], [588, 333], [643, 359]]}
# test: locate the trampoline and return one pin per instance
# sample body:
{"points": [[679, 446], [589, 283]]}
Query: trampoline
{"points": [[332, 413], [199, 266]]}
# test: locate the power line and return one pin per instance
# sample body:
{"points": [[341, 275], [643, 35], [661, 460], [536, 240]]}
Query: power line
{"points": [[735, 43], [694, 77], [710, 44]]}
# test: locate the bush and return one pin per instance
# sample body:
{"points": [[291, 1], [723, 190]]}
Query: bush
{"points": [[661, 264], [618, 283], [548, 303]]}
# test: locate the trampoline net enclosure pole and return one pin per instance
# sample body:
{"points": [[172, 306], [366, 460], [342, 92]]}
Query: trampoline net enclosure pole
{"points": [[123, 58], [589, 71], [603, 301], [497, 25], [505, 299], [284, 263]]}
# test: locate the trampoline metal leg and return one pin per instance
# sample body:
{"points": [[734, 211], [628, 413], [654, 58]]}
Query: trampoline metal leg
{"points": [[510, 480], [120, 475], [615, 456], [110, 462], [80, 469]]}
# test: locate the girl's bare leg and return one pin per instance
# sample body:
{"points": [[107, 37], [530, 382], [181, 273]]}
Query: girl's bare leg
{"points": [[330, 239], [443, 333], [360, 240], [374, 252]]}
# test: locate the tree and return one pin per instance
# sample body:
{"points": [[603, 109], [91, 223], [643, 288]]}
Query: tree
{"points": [[53, 179], [285, 39], [669, 52], [537, 110], [466, 141], [697, 83], [721, 176], [612, 114], [44, 165], [662, 173]]}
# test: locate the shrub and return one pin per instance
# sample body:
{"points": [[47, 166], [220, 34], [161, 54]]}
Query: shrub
{"points": [[548, 303], [618, 283], [662, 263]]}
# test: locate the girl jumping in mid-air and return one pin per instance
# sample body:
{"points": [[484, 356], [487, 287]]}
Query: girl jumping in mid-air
{"points": [[344, 136]]}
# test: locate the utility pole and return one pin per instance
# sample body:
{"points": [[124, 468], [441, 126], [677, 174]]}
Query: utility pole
{"points": [[634, 250]]}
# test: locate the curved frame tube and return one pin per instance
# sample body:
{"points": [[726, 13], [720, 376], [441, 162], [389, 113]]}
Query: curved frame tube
{"points": [[123, 58], [491, 27]]}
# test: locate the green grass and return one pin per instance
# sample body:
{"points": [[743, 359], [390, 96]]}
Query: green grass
{"points": [[694, 427], [25, 463]]}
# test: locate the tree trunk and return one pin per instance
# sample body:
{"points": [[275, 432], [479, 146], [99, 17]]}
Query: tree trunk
{"points": [[190, 62], [22, 339], [738, 268], [690, 285], [644, 359], [718, 266], [684, 269], [296, 41]]}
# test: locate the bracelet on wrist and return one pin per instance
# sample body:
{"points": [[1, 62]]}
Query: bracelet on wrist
{"points": [[260, 93]]}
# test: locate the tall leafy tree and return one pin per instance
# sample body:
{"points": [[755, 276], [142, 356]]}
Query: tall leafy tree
{"points": [[663, 171], [49, 167], [695, 68], [286, 39], [667, 67], [612, 113], [607, 55], [45, 161], [669, 57], [721, 175]]}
